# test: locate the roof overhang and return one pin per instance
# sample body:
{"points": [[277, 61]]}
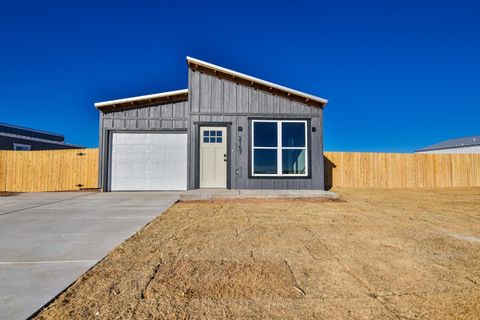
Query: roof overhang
{"points": [[143, 101], [27, 138], [240, 78]]}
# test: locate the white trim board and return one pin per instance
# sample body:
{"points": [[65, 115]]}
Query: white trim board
{"points": [[279, 148], [141, 98]]}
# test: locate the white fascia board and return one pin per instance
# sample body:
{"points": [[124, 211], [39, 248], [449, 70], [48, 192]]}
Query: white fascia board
{"points": [[260, 81], [140, 98]]}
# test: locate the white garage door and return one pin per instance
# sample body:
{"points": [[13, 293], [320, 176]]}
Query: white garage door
{"points": [[148, 161]]}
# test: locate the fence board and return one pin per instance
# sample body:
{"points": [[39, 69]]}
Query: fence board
{"points": [[396, 170], [52, 170], [64, 170], [3, 170]]}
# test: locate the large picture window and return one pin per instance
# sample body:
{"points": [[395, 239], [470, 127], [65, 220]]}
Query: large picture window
{"points": [[279, 148]]}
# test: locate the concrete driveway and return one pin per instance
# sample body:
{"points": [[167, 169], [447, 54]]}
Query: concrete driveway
{"points": [[47, 240]]}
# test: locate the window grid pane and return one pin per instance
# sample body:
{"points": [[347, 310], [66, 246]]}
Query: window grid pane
{"points": [[265, 134], [212, 136], [293, 134], [293, 161], [265, 161]]}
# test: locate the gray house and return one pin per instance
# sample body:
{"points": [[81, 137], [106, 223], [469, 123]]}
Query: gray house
{"points": [[18, 138], [458, 145], [227, 130]]}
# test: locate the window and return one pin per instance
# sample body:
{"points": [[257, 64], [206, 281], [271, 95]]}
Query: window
{"points": [[279, 148], [21, 147], [212, 136]]}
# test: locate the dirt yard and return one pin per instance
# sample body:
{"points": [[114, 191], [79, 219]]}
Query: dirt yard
{"points": [[381, 254], [8, 194]]}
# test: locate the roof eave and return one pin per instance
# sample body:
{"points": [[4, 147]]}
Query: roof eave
{"points": [[145, 100], [27, 138]]}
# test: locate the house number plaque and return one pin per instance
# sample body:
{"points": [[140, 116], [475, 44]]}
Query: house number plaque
{"points": [[239, 144]]}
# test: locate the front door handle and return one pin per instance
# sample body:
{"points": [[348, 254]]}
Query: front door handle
{"points": [[225, 157]]}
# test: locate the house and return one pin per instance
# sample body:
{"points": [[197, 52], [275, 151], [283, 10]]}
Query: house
{"points": [[460, 145], [25, 139], [227, 130]]}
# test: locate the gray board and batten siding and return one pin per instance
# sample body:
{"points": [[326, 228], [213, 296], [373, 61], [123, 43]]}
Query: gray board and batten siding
{"points": [[167, 117], [217, 100]]}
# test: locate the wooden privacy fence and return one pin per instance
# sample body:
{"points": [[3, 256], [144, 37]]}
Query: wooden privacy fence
{"points": [[75, 169], [52, 170], [397, 170]]}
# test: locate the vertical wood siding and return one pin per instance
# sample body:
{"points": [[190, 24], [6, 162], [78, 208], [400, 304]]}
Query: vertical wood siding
{"points": [[164, 116], [218, 100]]}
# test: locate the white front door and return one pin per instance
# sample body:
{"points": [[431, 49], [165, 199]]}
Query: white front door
{"points": [[148, 161], [213, 157]]}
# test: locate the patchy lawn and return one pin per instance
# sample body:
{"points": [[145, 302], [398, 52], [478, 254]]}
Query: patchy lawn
{"points": [[386, 254]]}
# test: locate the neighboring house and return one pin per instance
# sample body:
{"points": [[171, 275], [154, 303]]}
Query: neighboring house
{"points": [[25, 139], [460, 145], [227, 130]]}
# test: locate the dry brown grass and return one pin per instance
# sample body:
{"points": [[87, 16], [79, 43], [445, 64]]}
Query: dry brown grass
{"points": [[384, 254]]}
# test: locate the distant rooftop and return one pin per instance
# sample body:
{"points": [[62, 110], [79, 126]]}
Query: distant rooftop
{"points": [[29, 132], [454, 143], [10, 130]]}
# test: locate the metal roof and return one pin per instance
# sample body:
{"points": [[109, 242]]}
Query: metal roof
{"points": [[143, 100], [59, 143], [29, 132], [454, 143], [257, 83]]}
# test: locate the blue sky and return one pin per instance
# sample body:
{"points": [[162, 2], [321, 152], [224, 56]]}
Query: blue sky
{"points": [[399, 75]]}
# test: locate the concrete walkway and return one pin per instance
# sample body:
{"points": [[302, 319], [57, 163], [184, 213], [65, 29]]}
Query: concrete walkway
{"points": [[217, 194], [47, 240]]}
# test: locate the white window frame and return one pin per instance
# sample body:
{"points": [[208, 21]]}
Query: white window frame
{"points": [[279, 149], [26, 147]]}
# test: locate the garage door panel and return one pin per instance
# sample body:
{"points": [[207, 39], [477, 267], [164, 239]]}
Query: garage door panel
{"points": [[137, 139], [140, 183], [159, 155], [140, 170], [174, 167], [121, 182], [159, 140], [174, 157], [159, 169], [148, 161], [121, 169]]}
